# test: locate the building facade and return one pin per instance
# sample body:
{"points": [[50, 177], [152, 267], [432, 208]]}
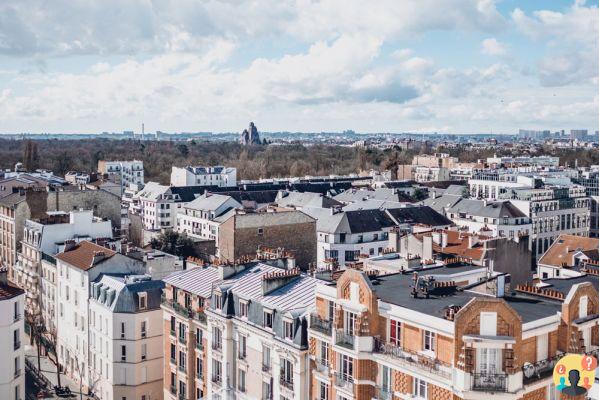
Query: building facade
{"points": [[204, 176], [12, 329]]}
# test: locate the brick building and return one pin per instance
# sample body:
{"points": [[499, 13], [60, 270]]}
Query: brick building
{"points": [[241, 234], [401, 336]]}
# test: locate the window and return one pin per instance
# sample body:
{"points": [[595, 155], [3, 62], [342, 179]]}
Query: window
{"points": [[144, 329], [218, 301], [386, 379], [182, 332], [266, 357], [173, 325], [241, 380], [216, 338], [352, 255], [488, 361], [123, 353], [242, 347], [182, 388], [324, 353], [17, 366], [267, 319], [199, 337], [173, 352], [243, 309], [323, 393], [349, 322], [122, 330], [395, 333], [199, 367], [420, 389], [216, 371], [266, 390], [288, 328], [286, 370], [16, 337], [429, 341], [17, 314], [181, 360], [142, 301], [260, 231], [144, 351]]}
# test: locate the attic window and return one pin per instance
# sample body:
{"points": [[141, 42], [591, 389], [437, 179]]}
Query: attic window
{"points": [[143, 301], [267, 318], [288, 329], [260, 231]]}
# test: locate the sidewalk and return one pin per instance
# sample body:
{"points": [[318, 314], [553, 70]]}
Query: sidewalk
{"points": [[49, 370]]}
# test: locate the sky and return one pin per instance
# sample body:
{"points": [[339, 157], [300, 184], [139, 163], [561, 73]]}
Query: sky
{"points": [[451, 66]]}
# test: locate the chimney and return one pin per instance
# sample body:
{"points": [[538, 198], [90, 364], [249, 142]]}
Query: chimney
{"points": [[274, 280], [69, 245], [443, 240], [98, 256], [472, 241]]}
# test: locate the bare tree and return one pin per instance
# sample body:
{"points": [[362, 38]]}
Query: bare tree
{"points": [[51, 339], [92, 381], [35, 321]]}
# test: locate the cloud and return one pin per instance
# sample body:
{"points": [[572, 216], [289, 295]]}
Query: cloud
{"points": [[152, 27], [572, 41], [493, 47]]}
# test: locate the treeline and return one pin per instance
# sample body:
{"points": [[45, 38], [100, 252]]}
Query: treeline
{"points": [[252, 162]]}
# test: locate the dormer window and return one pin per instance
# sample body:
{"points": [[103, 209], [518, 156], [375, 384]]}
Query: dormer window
{"points": [[243, 308], [218, 301], [267, 319], [143, 301], [288, 329]]}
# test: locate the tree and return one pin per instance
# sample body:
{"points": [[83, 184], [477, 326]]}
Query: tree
{"points": [[51, 340], [183, 150], [174, 243], [35, 322], [92, 381]]}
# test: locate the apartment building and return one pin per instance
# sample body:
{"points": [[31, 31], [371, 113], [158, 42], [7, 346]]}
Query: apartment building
{"points": [[523, 161], [25, 204], [413, 336], [553, 210], [125, 337], [443, 160], [492, 184], [567, 256], [78, 266], [43, 237], [197, 218], [12, 328], [590, 181], [343, 236], [498, 218], [123, 172], [204, 176], [238, 331], [241, 233]]}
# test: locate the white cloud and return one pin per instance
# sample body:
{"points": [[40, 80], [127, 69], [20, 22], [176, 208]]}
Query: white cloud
{"points": [[493, 47]]}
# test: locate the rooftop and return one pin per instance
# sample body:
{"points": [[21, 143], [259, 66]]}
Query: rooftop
{"points": [[85, 255]]}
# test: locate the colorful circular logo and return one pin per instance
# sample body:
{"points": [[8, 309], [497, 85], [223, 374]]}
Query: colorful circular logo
{"points": [[574, 374]]}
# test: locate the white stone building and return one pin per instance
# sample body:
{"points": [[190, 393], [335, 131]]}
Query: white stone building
{"points": [[196, 218], [126, 337], [42, 239], [12, 327], [78, 266], [204, 176], [123, 172]]}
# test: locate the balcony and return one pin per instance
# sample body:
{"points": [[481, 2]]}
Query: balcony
{"points": [[414, 360], [286, 382], [321, 325], [383, 393], [539, 370], [322, 366], [199, 346], [216, 379], [182, 339], [173, 361], [344, 381], [344, 339], [182, 369], [217, 346], [200, 316], [181, 396], [489, 382]]}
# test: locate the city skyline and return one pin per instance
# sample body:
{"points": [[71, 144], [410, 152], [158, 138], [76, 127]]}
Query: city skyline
{"points": [[453, 67]]}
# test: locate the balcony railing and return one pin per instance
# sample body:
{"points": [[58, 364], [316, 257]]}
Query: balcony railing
{"points": [[181, 396], [182, 339], [345, 381], [265, 368], [383, 393], [286, 382], [489, 382], [415, 360], [199, 346], [539, 370], [216, 378], [344, 339], [322, 365], [173, 389], [182, 369], [200, 316], [173, 361], [217, 346], [320, 324]]}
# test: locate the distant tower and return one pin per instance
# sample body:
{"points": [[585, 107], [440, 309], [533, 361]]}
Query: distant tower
{"points": [[143, 131]]}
